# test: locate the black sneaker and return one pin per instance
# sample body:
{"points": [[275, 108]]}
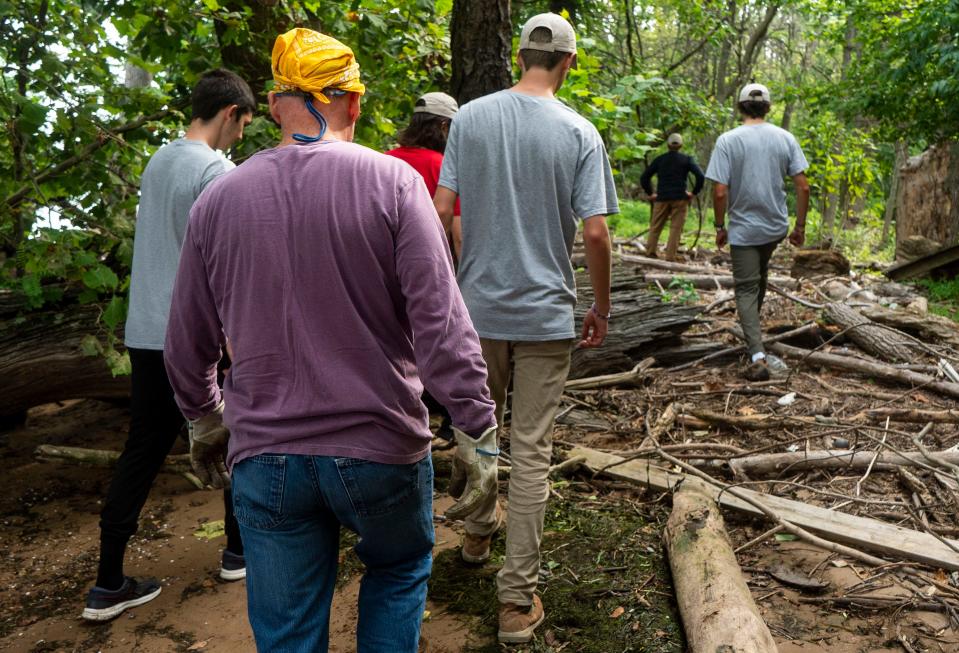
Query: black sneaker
{"points": [[445, 431], [103, 605], [233, 566], [757, 371]]}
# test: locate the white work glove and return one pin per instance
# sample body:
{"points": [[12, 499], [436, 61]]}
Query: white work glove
{"points": [[208, 443], [474, 472]]}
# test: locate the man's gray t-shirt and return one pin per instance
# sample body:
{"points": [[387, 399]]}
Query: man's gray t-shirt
{"points": [[527, 169], [174, 177], [753, 160]]}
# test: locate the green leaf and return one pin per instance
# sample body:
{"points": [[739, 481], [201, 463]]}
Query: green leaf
{"points": [[786, 537], [100, 278], [212, 5], [115, 312]]}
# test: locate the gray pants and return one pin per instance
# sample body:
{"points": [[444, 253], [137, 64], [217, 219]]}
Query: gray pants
{"points": [[750, 275]]}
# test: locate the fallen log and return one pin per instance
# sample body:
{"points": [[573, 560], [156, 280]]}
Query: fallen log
{"points": [[929, 327], [672, 266], [633, 377], [818, 263], [715, 604], [174, 464], [880, 341], [857, 532], [42, 357], [868, 368], [773, 464], [911, 415], [642, 323], [711, 281]]}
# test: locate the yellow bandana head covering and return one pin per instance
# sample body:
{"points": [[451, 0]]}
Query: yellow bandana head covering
{"points": [[304, 60]]}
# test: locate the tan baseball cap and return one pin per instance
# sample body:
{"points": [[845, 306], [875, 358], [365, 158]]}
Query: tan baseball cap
{"points": [[754, 93], [439, 104], [675, 139], [563, 36]]}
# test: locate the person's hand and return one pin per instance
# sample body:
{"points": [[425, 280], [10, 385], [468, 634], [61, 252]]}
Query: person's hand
{"points": [[798, 236], [721, 238], [652, 198], [595, 327], [208, 444], [689, 196], [474, 472]]}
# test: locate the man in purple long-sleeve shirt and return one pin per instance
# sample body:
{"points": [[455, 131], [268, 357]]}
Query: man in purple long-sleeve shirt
{"points": [[325, 266]]}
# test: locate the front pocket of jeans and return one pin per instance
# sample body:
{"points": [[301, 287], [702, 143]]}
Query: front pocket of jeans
{"points": [[258, 484], [378, 488]]}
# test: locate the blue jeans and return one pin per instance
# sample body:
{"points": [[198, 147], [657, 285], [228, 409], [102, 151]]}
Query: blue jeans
{"points": [[290, 509]]}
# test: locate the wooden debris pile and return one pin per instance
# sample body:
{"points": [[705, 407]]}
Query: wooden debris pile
{"points": [[855, 450]]}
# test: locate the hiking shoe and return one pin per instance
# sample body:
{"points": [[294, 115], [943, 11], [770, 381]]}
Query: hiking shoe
{"points": [[517, 622], [103, 605], [232, 566], [776, 365], [757, 371], [476, 547], [445, 431]]}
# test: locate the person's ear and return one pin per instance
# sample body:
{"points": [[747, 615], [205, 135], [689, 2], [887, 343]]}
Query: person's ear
{"points": [[520, 62], [273, 103], [354, 107]]}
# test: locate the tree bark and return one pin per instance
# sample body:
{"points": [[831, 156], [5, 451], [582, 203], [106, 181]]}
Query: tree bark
{"points": [[481, 45], [868, 368], [773, 465], [717, 609], [928, 327], [884, 342], [41, 358]]}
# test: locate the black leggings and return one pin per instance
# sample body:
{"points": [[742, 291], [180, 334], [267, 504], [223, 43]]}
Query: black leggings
{"points": [[155, 423]]}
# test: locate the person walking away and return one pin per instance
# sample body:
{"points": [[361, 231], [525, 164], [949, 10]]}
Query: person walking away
{"points": [[422, 144], [325, 265], [747, 168], [527, 170], [173, 179], [671, 198]]}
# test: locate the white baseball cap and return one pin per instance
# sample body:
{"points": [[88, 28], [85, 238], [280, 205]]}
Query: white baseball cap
{"points": [[754, 93], [675, 139], [439, 104], [563, 37]]}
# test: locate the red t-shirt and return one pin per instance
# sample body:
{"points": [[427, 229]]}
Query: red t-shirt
{"points": [[426, 162]]}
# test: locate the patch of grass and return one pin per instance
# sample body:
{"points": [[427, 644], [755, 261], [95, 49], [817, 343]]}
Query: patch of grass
{"points": [[943, 296], [599, 558], [632, 220]]}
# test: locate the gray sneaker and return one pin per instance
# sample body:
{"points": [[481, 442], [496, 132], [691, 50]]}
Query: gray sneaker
{"points": [[777, 366]]}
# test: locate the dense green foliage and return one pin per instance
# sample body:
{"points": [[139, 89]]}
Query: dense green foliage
{"points": [[848, 78]]}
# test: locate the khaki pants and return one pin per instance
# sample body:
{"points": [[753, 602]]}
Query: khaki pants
{"points": [[675, 212], [539, 371]]}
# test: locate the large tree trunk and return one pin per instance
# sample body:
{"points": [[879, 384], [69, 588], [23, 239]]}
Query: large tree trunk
{"points": [[718, 611], [927, 204], [481, 42], [42, 357]]}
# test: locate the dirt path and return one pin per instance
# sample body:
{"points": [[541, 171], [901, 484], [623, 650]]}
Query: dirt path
{"points": [[48, 555]]}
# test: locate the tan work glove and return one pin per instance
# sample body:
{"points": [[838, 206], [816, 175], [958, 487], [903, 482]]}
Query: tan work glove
{"points": [[208, 442], [473, 479]]}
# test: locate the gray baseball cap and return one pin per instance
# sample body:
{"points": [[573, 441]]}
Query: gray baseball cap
{"points": [[675, 139], [755, 93], [563, 36], [439, 104]]}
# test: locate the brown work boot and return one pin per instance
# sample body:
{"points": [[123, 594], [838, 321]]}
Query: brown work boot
{"points": [[757, 371], [517, 622], [476, 547]]}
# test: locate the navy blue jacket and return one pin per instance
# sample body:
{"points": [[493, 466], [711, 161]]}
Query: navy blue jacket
{"points": [[672, 171]]}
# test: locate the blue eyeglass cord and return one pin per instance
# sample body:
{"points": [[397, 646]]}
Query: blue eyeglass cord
{"points": [[303, 138]]}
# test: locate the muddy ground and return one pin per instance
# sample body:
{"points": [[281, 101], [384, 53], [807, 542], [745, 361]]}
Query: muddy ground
{"points": [[605, 582]]}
